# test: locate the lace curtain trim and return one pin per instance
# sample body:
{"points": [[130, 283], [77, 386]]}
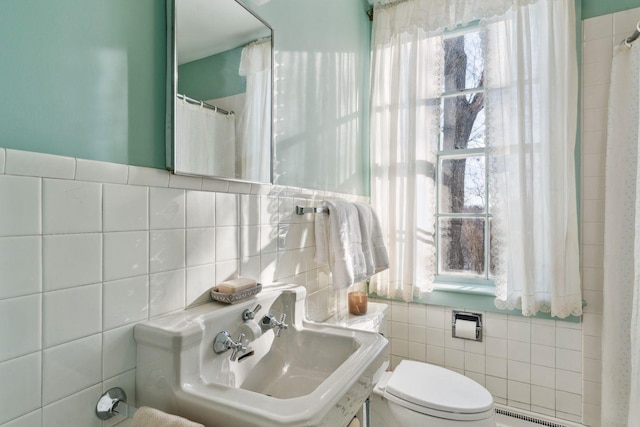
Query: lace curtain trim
{"points": [[434, 15]]}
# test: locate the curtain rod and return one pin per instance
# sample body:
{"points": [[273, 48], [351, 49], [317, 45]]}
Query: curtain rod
{"points": [[382, 4], [204, 104], [633, 37]]}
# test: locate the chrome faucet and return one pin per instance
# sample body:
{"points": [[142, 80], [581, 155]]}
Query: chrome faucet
{"points": [[269, 322], [223, 342]]}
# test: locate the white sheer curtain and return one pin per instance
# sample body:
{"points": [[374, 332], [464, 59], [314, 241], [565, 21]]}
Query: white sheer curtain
{"points": [[254, 129], [621, 310], [532, 104], [404, 138], [532, 80], [205, 141]]}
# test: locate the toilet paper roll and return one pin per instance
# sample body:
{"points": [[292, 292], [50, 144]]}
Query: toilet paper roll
{"points": [[465, 329]]}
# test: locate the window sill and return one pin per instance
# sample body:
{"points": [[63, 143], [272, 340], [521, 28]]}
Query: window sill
{"points": [[465, 288], [471, 297]]}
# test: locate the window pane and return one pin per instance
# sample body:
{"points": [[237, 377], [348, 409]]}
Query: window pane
{"points": [[463, 62], [462, 184], [463, 124], [461, 247]]}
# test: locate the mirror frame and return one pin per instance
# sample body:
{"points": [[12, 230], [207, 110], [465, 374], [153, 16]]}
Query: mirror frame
{"points": [[172, 88]]}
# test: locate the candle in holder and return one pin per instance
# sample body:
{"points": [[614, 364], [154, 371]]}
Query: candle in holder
{"points": [[357, 302]]}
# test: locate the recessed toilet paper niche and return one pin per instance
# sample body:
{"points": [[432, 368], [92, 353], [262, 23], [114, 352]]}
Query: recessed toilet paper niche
{"points": [[467, 326]]}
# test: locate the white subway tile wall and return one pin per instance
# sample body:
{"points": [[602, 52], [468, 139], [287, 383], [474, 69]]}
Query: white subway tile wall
{"points": [[533, 364], [83, 260]]}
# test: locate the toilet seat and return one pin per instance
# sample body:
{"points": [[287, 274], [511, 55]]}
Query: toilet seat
{"points": [[438, 392]]}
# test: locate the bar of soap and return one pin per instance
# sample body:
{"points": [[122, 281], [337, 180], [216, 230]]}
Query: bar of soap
{"points": [[236, 285]]}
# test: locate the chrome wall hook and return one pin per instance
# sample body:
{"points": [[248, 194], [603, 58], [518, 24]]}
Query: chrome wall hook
{"points": [[106, 406]]}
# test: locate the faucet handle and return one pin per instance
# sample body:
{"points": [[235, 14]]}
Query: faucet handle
{"points": [[237, 348], [223, 342], [250, 314], [281, 325]]}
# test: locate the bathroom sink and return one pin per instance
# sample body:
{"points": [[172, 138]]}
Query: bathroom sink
{"points": [[284, 373], [310, 375]]}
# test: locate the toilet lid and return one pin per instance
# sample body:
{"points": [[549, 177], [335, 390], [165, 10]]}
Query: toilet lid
{"points": [[437, 391]]}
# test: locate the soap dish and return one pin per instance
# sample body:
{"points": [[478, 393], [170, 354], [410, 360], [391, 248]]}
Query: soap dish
{"points": [[236, 296]]}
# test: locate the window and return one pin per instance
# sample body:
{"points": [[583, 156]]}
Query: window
{"points": [[512, 239], [463, 214]]}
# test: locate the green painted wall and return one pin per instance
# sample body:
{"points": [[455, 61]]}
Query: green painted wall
{"points": [[213, 77], [591, 8], [84, 78]]}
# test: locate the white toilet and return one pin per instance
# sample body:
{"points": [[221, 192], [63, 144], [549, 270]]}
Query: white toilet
{"points": [[418, 394]]}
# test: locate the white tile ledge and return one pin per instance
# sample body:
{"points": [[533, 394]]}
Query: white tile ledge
{"points": [[27, 163], [2, 160], [151, 177], [43, 165], [185, 182], [98, 171]]}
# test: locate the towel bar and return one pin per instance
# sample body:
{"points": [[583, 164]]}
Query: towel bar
{"points": [[301, 210]]}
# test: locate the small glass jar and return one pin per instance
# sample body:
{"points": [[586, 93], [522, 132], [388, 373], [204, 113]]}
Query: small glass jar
{"points": [[358, 303]]}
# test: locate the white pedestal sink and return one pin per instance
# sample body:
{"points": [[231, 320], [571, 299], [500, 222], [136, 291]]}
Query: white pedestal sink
{"points": [[311, 375]]}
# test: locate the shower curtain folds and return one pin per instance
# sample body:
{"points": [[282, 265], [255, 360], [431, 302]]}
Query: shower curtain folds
{"points": [[621, 288]]}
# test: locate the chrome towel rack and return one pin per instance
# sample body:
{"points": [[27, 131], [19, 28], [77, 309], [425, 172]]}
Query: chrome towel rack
{"points": [[301, 210]]}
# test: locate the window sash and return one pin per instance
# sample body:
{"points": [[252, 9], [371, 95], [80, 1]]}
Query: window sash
{"points": [[461, 278]]}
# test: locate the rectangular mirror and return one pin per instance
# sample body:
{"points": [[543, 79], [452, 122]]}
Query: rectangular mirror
{"points": [[220, 90]]}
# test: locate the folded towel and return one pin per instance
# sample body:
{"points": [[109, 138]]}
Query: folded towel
{"points": [[375, 252], [322, 239], [339, 243], [149, 417]]}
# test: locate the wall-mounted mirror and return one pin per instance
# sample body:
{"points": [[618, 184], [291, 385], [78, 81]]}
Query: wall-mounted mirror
{"points": [[219, 114]]}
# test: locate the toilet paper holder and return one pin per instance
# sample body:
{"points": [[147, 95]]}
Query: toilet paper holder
{"points": [[468, 317]]}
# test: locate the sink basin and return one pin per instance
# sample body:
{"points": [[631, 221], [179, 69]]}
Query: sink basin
{"points": [[311, 375], [285, 374]]}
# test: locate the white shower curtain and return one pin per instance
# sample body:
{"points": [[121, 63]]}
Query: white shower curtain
{"points": [[620, 319], [205, 141], [254, 129]]}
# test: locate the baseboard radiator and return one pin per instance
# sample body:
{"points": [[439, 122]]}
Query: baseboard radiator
{"points": [[533, 418]]}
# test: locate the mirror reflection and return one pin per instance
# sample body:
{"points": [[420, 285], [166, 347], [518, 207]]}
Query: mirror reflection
{"points": [[222, 109]]}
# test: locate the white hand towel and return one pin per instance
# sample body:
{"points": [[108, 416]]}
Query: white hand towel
{"points": [[364, 217], [375, 252], [149, 417], [322, 239], [339, 243]]}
